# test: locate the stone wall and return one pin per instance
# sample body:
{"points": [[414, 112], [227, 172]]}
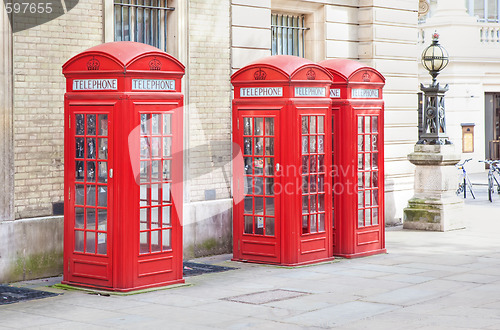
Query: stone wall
{"points": [[39, 86]]}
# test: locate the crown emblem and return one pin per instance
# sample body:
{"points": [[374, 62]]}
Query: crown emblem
{"points": [[260, 75], [154, 64], [93, 64], [311, 75], [366, 77]]}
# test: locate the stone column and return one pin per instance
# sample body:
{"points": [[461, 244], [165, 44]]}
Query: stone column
{"points": [[6, 120], [435, 205]]}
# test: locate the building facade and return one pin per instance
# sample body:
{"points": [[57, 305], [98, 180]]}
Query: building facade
{"points": [[469, 30], [213, 38]]}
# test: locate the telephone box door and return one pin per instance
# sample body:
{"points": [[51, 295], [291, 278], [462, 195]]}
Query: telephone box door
{"points": [[259, 213], [90, 195]]}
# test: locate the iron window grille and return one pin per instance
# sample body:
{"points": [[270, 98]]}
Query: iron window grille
{"points": [[142, 21], [288, 35]]}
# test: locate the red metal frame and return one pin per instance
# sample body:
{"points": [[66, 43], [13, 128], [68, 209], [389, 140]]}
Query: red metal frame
{"points": [[290, 90], [138, 88], [358, 153]]}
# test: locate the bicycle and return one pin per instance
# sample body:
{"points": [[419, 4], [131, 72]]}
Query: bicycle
{"points": [[465, 180], [493, 168]]}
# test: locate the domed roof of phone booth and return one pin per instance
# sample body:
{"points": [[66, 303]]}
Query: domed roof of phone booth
{"points": [[126, 55], [287, 65], [346, 68]]}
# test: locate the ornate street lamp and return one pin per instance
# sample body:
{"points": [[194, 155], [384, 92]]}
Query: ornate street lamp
{"points": [[434, 59]]}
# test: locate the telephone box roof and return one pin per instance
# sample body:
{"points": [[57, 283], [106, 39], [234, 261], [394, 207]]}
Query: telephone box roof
{"points": [[347, 68]]}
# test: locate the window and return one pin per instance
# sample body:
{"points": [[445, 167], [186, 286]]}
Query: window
{"points": [[142, 21], [288, 33], [484, 10]]}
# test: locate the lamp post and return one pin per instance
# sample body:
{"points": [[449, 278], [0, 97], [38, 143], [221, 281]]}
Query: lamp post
{"points": [[434, 59], [434, 205]]}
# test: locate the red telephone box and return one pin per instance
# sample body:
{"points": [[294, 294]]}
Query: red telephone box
{"points": [[282, 206], [358, 158], [123, 168]]}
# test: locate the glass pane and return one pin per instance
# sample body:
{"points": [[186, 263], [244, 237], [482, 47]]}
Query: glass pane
{"points": [[155, 241], [361, 202], [248, 188], [102, 172], [312, 183], [259, 166], [145, 124], [144, 219], [155, 123], [258, 128], [270, 186], [155, 189], [305, 125], [367, 124], [360, 124], [90, 242], [375, 216], [167, 146], [90, 124], [321, 163], [103, 124], [375, 142], [321, 124], [374, 160], [90, 219], [361, 218], [312, 144], [165, 216], [102, 218], [249, 204], [367, 180], [79, 218], [102, 243], [321, 183], [155, 170], [270, 126], [247, 146], [360, 180], [321, 222], [167, 239], [80, 124], [312, 122], [375, 197], [167, 124], [258, 146], [367, 198], [314, 228], [144, 242], [91, 148], [270, 166], [269, 226], [80, 148], [259, 226], [269, 146], [102, 196], [305, 144], [374, 124], [360, 161], [79, 241], [165, 192], [305, 184], [361, 145], [155, 147], [80, 194], [321, 203], [305, 164], [91, 195], [259, 205], [313, 204], [91, 171], [167, 164], [305, 224], [248, 165], [375, 179], [247, 126], [321, 144], [313, 168], [145, 150], [248, 225], [367, 142], [368, 221], [144, 172], [155, 218], [305, 204], [269, 206]]}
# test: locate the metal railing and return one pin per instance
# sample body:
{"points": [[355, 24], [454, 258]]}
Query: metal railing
{"points": [[288, 35]]}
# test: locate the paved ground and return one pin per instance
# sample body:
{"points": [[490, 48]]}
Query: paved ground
{"points": [[428, 280]]}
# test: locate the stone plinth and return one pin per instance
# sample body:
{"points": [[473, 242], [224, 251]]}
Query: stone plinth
{"points": [[435, 205]]}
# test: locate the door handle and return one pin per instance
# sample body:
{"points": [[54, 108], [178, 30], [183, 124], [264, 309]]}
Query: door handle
{"points": [[277, 167]]}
